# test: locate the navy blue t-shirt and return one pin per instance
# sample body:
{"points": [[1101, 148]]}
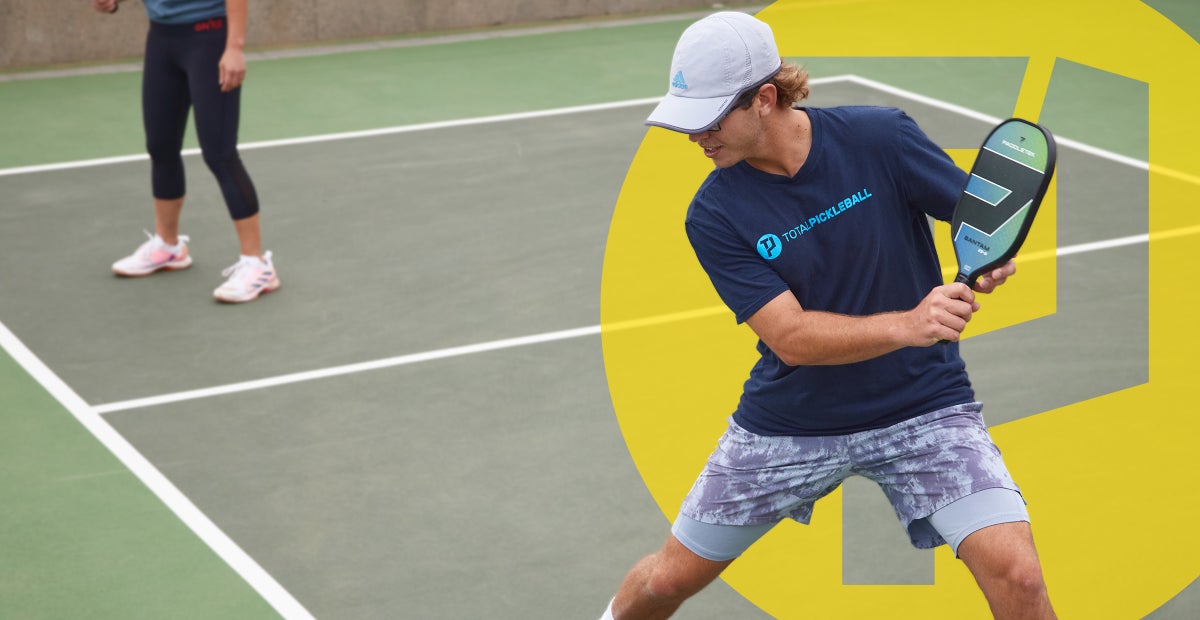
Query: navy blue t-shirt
{"points": [[847, 234]]}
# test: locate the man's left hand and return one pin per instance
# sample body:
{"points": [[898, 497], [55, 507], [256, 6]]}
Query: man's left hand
{"points": [[989, 281]]}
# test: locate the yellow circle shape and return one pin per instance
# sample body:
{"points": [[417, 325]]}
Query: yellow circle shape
{"points": [[1114, 508]]}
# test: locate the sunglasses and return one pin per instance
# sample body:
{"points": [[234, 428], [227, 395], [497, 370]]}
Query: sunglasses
{"points": [[742, 102]]}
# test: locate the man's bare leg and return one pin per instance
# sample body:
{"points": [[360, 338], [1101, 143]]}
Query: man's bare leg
{"points": [[1005, 564], [658, 584]]}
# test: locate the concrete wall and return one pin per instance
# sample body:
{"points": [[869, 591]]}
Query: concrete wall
{"points": [[36, 33]]}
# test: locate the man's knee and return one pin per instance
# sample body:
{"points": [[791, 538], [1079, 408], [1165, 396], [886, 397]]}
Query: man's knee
{"points": [[1024, 576], [1004, 555], [666, 585], [677, 572]]}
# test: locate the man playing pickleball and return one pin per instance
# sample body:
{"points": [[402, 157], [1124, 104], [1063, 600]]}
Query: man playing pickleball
{"points": [[813, 229]]}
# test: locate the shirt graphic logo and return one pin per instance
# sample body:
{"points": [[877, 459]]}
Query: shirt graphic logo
{"points": [[678, 81], [769, 246]]}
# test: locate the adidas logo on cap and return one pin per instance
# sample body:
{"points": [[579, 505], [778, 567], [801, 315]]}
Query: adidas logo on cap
{"points": [[678, 81]]}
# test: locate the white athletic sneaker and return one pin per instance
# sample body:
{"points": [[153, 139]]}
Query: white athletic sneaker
{"points": [[248, 278], [152, 256]]}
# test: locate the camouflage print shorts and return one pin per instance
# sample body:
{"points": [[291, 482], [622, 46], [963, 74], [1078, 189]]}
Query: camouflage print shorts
{"points": [[922, 465]]}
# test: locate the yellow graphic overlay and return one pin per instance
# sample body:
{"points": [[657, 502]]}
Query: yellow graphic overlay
{"points": [[1109, 479]]}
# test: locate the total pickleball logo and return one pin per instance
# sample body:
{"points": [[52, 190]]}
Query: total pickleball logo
{"points": [[769, 246], [675, 361]]}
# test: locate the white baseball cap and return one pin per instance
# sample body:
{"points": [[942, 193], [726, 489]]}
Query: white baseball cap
{"points": [[716, 59]]}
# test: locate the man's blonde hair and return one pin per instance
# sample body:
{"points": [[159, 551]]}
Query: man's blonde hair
{"points": [[791, 83]]}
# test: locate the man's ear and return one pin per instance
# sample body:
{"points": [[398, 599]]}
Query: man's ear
{"points": [[768, 94]]}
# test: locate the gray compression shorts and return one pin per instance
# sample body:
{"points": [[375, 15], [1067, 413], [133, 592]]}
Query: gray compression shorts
{"points": [[954, 523], [923, 465]]}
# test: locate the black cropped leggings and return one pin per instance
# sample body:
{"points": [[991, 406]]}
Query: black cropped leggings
{"points": [[181, 72]]}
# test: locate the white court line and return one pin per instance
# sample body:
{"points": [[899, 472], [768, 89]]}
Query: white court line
{"points": [[345, 135], [1096, 246], [347, 369], [992, 120], [581, 109], [177, 502]]}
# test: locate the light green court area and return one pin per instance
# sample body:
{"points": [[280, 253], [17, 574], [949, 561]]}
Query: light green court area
{"points": [[81, 535]]}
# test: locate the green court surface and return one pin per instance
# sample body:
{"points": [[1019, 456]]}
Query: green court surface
{"points": [[418, 424]]}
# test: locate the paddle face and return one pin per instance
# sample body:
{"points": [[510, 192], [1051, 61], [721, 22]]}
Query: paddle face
{"points": [[1006, 186]]}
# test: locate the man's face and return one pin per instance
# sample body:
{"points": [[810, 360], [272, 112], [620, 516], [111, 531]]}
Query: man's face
{"points": [[731, 139]]}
